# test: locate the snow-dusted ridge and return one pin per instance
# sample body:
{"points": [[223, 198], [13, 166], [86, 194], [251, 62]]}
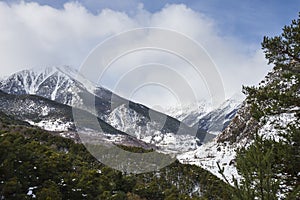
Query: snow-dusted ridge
{"points": [[203, 116], [273, 124], [190, 114], [65, 85]]}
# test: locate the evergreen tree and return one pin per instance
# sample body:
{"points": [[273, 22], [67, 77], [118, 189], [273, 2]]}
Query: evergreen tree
{"points": [[49, 191], [270, 168], [255, 165]]}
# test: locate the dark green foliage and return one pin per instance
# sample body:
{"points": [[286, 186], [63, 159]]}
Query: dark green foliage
{"points": [[134, 149], [49, 191], [276, 96], [255, 165], [268, 168], [10, 120], [58, 168], [271, 167]]}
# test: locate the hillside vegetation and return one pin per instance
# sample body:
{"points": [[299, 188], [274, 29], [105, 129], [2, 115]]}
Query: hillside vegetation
{"points": [[34, 163]]}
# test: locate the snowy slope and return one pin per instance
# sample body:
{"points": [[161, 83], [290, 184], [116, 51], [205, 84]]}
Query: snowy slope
{"points": [[53, 116], [239, 133], [57, 84], [222, 149], [66, 86], [218, 119], [154, 131], [203, 117], [38, 111], [190, 114]]}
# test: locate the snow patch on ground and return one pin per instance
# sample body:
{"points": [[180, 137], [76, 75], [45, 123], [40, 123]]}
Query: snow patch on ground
{"points": [[30, 191], [45, 111], [52, 125], [171, 143], [208, 155], [71, 135]]}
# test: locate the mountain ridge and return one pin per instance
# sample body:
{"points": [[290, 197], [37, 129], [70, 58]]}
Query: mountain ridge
{"points": [[57, 117], [64, 88]]}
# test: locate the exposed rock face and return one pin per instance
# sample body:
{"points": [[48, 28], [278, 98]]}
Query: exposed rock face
{"points": [[241, 127]]}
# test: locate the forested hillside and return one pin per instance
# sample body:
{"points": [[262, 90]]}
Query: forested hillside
{"points": [[37, 164]]}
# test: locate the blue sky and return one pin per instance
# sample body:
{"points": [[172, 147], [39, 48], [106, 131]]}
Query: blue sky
{"points": [[248, 20]]}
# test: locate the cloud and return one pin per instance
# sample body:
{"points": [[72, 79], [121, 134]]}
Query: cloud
{"points": [[33, 35]]}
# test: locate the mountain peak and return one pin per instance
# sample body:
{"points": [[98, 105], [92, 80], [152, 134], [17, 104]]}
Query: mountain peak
{"points": [[55, 83]]}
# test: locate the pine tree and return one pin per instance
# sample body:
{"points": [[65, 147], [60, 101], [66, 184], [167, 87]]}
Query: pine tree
{"points": [[271, 168], [255, 165]]}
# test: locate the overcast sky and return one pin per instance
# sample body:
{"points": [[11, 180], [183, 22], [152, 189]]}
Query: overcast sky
{"points": [[53, 33]]}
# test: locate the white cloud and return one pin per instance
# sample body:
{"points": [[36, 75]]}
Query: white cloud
{"points": [[32, 35]]}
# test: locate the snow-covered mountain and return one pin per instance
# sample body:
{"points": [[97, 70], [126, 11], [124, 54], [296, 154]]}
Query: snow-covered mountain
{"points": [[57, 84], [272, 111], [203, 117], [189, 114], [66, 86], [57, 117], [216, 120]]}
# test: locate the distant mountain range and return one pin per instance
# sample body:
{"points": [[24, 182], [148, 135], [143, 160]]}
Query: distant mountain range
{"points": [[45, 97], [203, 117], [66, 86]]}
